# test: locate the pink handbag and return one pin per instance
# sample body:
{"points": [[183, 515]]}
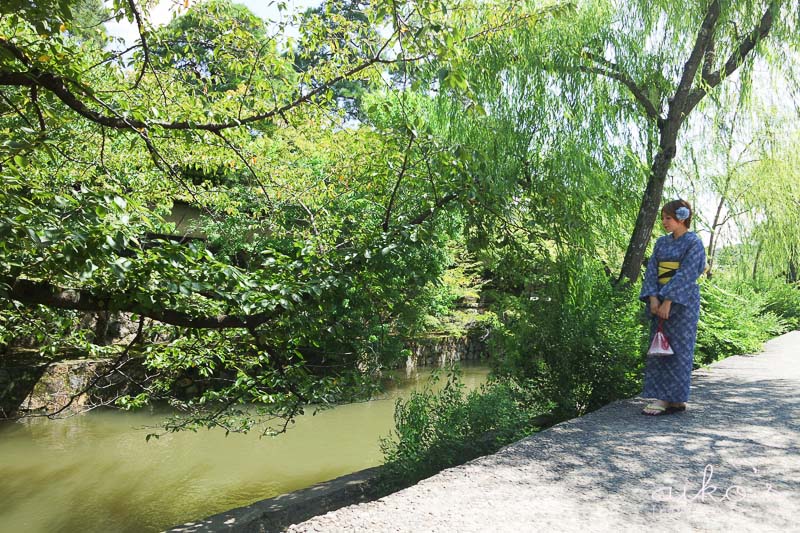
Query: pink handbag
{"points": [[660, 344]]}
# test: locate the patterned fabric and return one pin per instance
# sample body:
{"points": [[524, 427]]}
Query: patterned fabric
{"points": [[668, 377]]}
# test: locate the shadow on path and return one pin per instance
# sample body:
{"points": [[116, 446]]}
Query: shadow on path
{"points": [[731, 462]]}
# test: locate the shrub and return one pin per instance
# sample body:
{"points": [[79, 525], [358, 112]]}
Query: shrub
{"points": [[733, 320], [783, 299], [578, 338], [435, 430]]}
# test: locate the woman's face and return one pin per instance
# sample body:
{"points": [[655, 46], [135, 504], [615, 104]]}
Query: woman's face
{"points": [[669, 223]]}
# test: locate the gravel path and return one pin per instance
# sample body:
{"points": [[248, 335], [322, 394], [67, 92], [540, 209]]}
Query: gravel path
{"points": [[731, 463]]}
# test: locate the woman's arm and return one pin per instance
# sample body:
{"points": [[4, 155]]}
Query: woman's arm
{"points": [[649, 290]]}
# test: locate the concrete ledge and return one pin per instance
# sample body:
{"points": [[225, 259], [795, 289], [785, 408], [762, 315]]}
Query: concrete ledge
{"points": [[728, 463], [276, 513]]}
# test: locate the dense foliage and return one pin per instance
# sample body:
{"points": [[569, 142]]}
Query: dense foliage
{"points": [[273, 217], [303, 261], [436, 429], [735, 320], [576, 337]]}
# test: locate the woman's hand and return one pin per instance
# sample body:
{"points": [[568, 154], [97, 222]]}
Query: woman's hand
{"points": [[654, 305], [663, 309]]}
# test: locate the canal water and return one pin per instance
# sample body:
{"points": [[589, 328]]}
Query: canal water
{"points": [[95, 472]]}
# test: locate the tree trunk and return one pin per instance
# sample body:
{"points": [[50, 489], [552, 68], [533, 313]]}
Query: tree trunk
{"points": [[681, 105], [650, 207], [755, 261], [712, 243]]}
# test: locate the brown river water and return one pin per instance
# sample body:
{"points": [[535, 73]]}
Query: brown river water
{"points": [[95, 473]]}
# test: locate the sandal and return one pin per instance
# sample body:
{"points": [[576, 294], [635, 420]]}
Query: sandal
{"points": [[659, 410]]}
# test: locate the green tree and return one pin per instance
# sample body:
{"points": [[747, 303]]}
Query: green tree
{"points": [[665, 58], [346, 21], [317, 249]]}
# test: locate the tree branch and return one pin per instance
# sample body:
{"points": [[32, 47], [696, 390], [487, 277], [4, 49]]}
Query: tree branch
{"points": [[58, 86], [31, 292], [35, 102], [422, 217], [736, 58], [612, 70], [16, 109], [145, 48], [244, 160], [390, 205], [709, 57], [705, 34]]}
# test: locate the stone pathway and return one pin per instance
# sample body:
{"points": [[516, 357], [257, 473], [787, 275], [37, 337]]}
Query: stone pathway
{"points": [[730, 463]]}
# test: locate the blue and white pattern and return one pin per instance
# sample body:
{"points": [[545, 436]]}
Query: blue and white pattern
{"points": [[668, 377]]}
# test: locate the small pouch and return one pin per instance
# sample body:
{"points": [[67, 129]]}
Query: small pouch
{"points": [[660, 344]]}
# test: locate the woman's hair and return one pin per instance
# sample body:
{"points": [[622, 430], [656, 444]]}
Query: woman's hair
{"points": [[672, 208]]}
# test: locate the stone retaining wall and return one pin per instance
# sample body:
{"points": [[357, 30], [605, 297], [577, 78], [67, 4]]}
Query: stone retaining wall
{"points": [[32, 383], [16, 384], [45, 386], [444, 350]]}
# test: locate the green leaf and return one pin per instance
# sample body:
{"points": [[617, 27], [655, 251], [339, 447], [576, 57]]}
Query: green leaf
{"points": [[34, 237]]}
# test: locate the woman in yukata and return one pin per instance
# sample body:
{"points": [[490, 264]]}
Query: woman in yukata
{"points": [[673, 297]]}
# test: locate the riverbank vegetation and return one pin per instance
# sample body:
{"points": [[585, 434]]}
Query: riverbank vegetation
{"points": [[271, 211], [438, 429]]}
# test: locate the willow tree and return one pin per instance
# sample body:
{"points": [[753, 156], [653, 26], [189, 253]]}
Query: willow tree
{"points": [[733, 133], [546, 210], [544, 185], [769, 231], [665, 58]]}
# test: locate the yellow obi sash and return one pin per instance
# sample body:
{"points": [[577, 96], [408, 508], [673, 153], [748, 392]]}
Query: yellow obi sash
{"points": [[667, 269]]}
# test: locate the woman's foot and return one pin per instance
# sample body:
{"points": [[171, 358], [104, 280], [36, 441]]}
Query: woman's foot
{"points": [[656, 408], [661, 407]]}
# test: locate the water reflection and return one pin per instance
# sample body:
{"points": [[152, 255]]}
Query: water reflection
{"points": [[95, 472]]}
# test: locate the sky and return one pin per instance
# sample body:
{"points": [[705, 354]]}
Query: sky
{"points": [[163, 12]]}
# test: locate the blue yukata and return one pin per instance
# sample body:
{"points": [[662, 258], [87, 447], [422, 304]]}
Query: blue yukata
{"points": [[672, 273]]}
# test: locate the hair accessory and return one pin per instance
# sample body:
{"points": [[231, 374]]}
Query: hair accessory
{"points": [[682, 213]]}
